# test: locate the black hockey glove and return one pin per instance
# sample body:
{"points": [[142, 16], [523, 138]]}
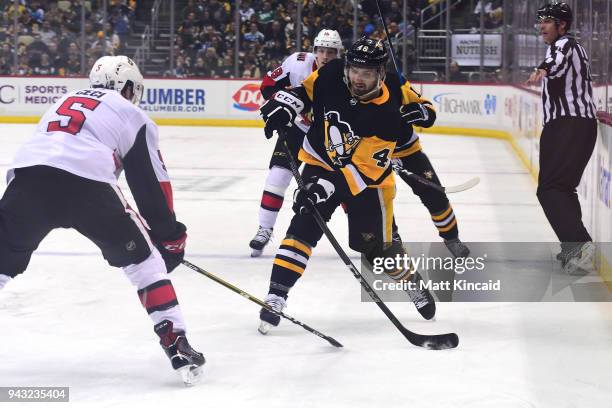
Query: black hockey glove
{"points": [[418, 114], [280, 111], [172, 249], [317, 191]]}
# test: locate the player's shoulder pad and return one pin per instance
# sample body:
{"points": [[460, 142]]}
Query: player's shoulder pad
{"points": [[393, 84], [389, 122], [300, 58], [332, 68]]}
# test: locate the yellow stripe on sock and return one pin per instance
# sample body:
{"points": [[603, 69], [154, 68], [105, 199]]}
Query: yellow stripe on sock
{"points": [[297, 244], [443, 215], [287, 265]]}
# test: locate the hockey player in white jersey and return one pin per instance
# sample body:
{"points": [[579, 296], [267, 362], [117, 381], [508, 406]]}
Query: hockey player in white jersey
{"points": [[65, 176], [297, 67]]}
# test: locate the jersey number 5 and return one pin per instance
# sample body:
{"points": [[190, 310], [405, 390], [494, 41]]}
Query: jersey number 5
{"points": [[77, 118]]}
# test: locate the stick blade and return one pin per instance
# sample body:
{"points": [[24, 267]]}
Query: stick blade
{"points": [[442, 342], [462, 187], [434, 342], [334, 342]]}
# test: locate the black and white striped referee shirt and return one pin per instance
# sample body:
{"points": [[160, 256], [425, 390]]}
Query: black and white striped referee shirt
{"points": [[567, 88]]}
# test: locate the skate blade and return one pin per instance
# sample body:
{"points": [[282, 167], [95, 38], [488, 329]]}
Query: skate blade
{"points": [[256, 253], [579, 268], [190, 374], [583, 265], [264, 327]]}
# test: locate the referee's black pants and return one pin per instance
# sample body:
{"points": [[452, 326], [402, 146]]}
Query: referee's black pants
{"points": [[566, 146]]}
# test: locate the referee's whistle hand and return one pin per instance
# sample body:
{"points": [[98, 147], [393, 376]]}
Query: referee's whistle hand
{"points": [[536, 76]]}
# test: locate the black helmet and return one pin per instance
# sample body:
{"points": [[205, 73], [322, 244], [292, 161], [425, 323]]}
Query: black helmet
{"points": [[557, 11], [368, 52]]}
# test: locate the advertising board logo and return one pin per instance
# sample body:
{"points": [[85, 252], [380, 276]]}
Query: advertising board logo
{"points": [[605, 179], [490, 104], [7, 94], [460, 104], [456, 103], [248, 98], [174, 100]]}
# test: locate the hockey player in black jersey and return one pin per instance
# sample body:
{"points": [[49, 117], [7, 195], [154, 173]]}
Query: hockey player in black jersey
{"points": [[408, 153], [347, 155]]}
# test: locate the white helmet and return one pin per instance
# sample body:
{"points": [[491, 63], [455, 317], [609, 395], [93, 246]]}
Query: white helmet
{"points": [[328, 39], [117, 72]]}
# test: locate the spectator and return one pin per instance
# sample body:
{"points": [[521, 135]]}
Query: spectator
{"points": [[455, 74], [254, 35], [492, 14], [45, 67], [251, 71], [211, 62], [47, 34], [246, 11], [5, 66], [121, 24], [226, 69], [395, 14], [218, 11], [73, 65], [37, 46], [180, 70], [266, 15], [102, 46], [192, 8], [54, 56], [199, 70], [189, 22], [23, 68]]}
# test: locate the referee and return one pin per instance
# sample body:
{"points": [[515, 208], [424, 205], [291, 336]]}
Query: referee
{"points": [[569, 134]]}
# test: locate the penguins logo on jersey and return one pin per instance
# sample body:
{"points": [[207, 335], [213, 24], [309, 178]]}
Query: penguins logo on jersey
{"points": [[340, 141]]}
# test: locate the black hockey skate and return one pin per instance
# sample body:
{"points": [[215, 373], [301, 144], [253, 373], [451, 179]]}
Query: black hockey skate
{"points": [[269, 319], [185, 360], [260, 240], [423, 300], [457, 248]]}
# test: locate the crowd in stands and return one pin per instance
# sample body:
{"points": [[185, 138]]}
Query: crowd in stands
{"points": [[49, 35], [49, 32], [205, 43]]}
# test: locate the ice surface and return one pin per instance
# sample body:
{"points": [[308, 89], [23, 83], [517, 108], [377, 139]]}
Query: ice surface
{"points": [[71, 320]]}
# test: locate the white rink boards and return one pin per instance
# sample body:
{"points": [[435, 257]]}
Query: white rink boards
{"points": [[71, 320]]}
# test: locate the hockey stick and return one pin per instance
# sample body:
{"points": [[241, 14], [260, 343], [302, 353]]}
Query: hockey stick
{"points": [[253, 299], [406, 175], [393, 58], [432, 342]]}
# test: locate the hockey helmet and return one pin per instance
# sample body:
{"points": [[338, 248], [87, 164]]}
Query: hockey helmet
{"points": [[328, 39], [558, 11], [368, 53], [118, 73]]}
